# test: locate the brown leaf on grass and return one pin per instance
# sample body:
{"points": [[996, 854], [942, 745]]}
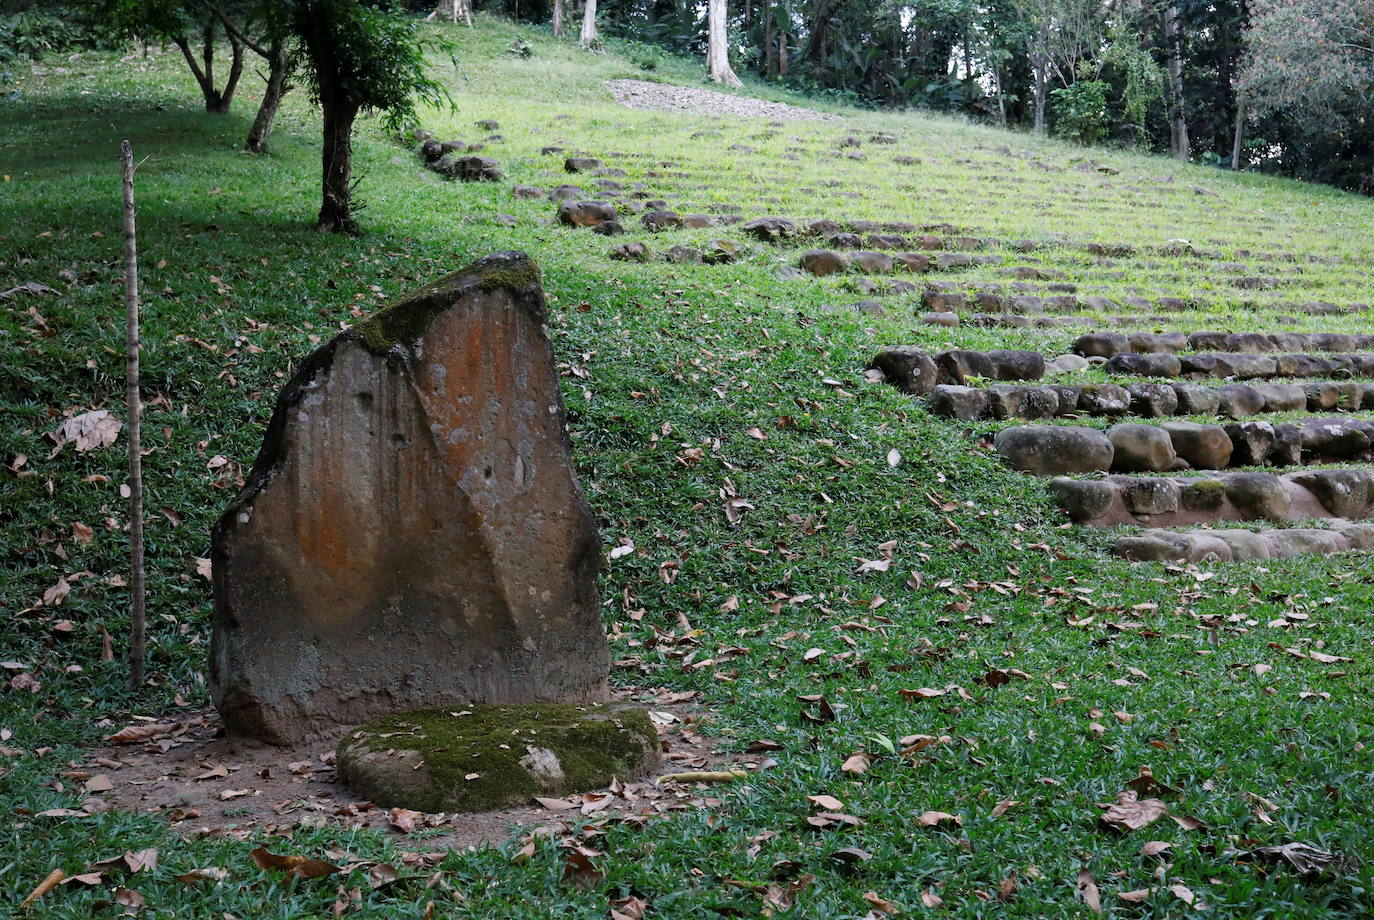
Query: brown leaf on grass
{"points": [[1305, 858], [1146, 784], [1183, 893], [879, 903], [1156, 847], [211, 874], [1189, 823], [1006, 890], [578, 868], [86, 878], [630, 907], [828, 802], [856, 763], [1131, 813], [382, 874], [939, 819], [922, 693], [293, 865], [1001, 807], [81, 533], [141, 860], [930, 899], [132, 900], [781, 899], [1138, 896], [87, 431], [1087, 890]]}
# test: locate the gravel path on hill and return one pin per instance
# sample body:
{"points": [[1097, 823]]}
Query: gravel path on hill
{"points": [[663, 97]]}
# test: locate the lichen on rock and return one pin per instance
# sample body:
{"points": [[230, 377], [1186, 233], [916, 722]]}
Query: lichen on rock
{"points": [[483, 757]]}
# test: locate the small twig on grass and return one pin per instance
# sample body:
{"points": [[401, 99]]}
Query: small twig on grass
{"points": [[703, 776]]}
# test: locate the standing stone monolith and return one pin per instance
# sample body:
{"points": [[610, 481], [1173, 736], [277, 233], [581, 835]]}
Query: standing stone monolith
{"points": [[412, 533]]}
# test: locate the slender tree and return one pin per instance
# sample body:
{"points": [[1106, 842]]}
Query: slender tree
{"points": [[356, 57], [1178, 116], [558, 29], [718, 45]]}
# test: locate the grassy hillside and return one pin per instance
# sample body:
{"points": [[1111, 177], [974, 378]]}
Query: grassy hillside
{"points": [[688, 385]]}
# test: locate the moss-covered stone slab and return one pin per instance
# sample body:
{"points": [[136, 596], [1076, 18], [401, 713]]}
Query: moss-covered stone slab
{"points": [[412, 533], [480, 758]]}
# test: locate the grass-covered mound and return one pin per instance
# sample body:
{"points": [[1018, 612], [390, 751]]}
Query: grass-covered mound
{"points": [[478, 758]]}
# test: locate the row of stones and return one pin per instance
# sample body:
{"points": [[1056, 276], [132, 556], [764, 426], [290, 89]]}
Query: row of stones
{"points": [[1172, 501], [1241, 365], [913, 371], [1056, 450], [713, 252], [1172, 249], [1110, 344], [1147, 400], [1062, 299], [1234, 545]]}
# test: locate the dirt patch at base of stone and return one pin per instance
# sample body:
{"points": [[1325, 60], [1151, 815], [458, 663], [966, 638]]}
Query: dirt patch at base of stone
{"points": [[664, 97], [206, 784]]}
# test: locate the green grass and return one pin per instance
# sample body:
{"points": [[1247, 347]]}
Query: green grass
{"points": [[658, 359]]}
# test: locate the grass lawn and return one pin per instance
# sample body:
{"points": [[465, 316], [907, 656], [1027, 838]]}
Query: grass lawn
{"points": [[688, 385]]}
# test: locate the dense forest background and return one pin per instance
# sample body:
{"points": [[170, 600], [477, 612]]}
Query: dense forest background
{"points": [[1282, 86]]}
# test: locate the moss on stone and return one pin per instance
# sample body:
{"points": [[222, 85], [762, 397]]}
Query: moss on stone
{"points": [[405, 319], [1204, 495], [422, 759]]}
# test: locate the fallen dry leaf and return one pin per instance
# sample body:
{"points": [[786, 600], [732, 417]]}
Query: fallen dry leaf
{"points": [[1087, 890], [939, 819], [298, 866], [1131, 813], [87, 431], [828, 802], [856, 763]]}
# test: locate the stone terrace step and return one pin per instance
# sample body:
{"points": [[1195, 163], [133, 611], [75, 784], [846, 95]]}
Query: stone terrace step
{"points": [[1241, 365], [1173, 501], [1227, 545], [1056, 450], [1148, 400], [1110, 344], [913, 371]]}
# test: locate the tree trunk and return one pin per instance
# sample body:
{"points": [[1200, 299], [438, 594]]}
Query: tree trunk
{"points": [[770, 53], [1001, 98], [1178, 123], [278, 75], [1240, 133], [718, 46], [782, 53], [216, 100], [589, 38], [1038, 66], [558, 18], [820, 31], [336, 208]]}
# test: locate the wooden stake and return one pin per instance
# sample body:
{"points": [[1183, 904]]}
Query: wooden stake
{"points": [[138, 612]]}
